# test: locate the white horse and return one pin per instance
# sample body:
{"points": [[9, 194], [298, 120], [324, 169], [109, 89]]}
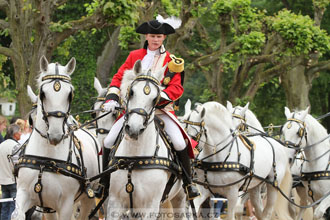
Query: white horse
{"points": [[51, 170], [226, 156], [247, 120], [245, 117], [32, 118], [137, 187], [104, 124], [303, 131]]}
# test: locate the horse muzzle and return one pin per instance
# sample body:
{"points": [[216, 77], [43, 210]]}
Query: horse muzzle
{"points": [[54, 139], [133, 132]]}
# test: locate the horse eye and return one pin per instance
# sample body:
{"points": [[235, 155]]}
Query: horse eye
{"points": [[131, 93]]}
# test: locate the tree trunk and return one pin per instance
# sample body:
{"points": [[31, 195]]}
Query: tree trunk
{"points": [[22, 99], [296, 85], [29, 24], [108, 57]]}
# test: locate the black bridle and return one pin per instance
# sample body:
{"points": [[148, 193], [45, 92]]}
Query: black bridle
{"points": [[242, 126], [302, 133], [140, 111], [94, 114], [57, 79], [199, 133]]}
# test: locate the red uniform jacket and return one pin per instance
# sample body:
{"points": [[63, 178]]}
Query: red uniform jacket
{"points": [[174, 89]]}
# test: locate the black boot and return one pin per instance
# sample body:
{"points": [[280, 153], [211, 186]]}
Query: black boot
{"points": [[189, 187], [105, 179]]}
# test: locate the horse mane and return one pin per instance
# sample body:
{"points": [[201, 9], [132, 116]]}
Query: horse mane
{"points": [[253, 118], [315, 128], [128, 78], [218, 111]]}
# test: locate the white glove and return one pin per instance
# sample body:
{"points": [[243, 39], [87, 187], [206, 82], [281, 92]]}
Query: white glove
{"points": [[110, 106]]}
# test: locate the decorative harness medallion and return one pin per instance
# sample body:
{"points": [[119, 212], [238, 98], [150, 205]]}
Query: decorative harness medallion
{"points": [[57, 86], [146, 89]]}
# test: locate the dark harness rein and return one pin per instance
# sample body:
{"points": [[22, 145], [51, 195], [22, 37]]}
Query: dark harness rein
{"points": [[225, 165], [307, 176], [168, 163], [46, 164]]}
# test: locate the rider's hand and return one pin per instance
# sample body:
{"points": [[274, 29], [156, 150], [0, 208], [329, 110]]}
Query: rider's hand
{"points": [[110, 106]]}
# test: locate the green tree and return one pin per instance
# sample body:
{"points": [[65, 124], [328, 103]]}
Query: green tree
{"points": [[35, 30]]}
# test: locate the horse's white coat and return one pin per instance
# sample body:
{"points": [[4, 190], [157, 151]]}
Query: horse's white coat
{"points": [[218, 124], [58, 191], [254, 126], [138, 140], [315, 132]]}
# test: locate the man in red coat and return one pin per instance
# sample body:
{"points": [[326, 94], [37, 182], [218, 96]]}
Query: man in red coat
{"points": [[153, 56]]}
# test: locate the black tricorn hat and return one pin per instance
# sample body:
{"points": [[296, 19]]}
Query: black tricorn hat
{"points": [[155, 27]]}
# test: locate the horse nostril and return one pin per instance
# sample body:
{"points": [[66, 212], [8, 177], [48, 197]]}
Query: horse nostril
{"points": [[142, 130], [127, 128]]}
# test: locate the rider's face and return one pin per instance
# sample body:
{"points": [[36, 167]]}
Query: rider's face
{"points": [[155, 40]]}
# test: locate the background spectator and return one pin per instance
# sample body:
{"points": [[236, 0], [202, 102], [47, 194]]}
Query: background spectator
{"points": [[3, 125], [25, 128], [7, 179], [13, 119]]}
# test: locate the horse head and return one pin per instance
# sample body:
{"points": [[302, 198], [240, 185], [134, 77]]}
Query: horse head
{"points": [[238, 114], [209, 121], [244, 118], [55, 97], [142, 93], [294, 131], [106, 121]]}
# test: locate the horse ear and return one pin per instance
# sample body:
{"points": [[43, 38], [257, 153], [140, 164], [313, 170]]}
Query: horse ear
{"points": [[229, 107], [187, 106], [137, 67], [203, 113], [31, 94], [245, 108], [97, 86], [304, 113], [43, 64], [287, 112], [71, 66]]}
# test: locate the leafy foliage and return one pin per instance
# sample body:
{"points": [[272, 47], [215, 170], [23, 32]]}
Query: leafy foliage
{"points": [[84, 48], [123, 12], [299, 33], [7, 87], [171, 7], [251, 43], [127, 35], [251, 25]]}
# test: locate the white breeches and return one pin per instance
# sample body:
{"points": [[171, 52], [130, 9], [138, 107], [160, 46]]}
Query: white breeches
{"points": [[110, 139], [171, 129]]}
